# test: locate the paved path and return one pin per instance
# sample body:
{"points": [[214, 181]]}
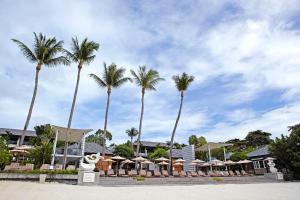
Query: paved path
{"points": [[30, 190]]}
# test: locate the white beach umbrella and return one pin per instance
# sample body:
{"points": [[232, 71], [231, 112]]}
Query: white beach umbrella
{"points": [[178, 164], [163, 163], [180, 160], [161, 159], [198, 161], [229, 162], [139, 159]]}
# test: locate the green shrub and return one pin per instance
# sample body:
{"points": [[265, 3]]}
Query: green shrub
{"points": [[139, 178], [5, 155], [217, 179]]}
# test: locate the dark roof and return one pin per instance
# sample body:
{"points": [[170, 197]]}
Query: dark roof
{"points": [[263, 151], [91, 147], [17, 132], [151, 144]]}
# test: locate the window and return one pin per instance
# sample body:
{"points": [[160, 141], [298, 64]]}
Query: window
{"points": [[259, 164]]}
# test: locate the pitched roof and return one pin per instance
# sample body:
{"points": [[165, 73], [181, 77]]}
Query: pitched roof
{"points": [[17, 132], [91, 147], [151, 144], [263, 151]]}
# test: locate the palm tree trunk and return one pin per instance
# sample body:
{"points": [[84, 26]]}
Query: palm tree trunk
{"points": [[131, 141], [141, 122], [38, 68], [105, 121], [173, 134], [71, 116]]}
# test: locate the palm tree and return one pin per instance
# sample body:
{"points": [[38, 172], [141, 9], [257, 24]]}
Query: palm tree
{"points": [[81, 54], [44, 52], [132, 133], [112, 77], [146, 80], [182, 83]]}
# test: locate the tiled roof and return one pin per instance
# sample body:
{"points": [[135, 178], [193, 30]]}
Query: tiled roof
{"points": [[92, 147], [17, 132], [263, 151], [151, 144]]}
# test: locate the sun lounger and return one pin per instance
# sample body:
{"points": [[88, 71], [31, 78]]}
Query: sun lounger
{"points": [[165, 173], [212, 174], [238, 173], [71, 167], [226, 173], [102, 173], [231, 173], [157, 174], [143, 173], [176, 174], [200, 173], [45, 167], [111, 173], [7, 168], [28, 167], [244, 173], [183, 174], [193, 174], [149, 174], [14, 166], [132, 173], [219, 173], [58, 167], [122, 173]]}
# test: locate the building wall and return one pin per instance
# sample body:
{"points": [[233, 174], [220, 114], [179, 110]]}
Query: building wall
{"points": [[188, 154]]}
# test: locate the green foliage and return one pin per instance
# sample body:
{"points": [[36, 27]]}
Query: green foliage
{"points": [[97, 137], [139, 178], [258, 138], [238, 145], [182, 81], [158, 152], [287, 149], [45, 134], [5, 155], [238, 156], [217, 179], [124, 150], [197, 141]]}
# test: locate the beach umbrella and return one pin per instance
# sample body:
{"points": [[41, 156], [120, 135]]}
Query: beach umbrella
{"points": [[163, 163], [179, 160], [162, 159], [245, 161], [23, 147], [198, 161], [147, 162], [193, 164], [126, 162], [19, 151], [178, 164], [138, 159], [117, 158], [229, 162]]}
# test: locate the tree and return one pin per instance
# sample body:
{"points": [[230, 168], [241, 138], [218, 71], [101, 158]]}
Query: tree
{"points": [[44, 52], [258, 138], [158, 152], [113, 77], [43, 145], [5, 155], [287, 150], [82, 54], [98, 136], [197, 141], [146, 79], [124, 150], [182, 83], [132, 132], [238, 156]]}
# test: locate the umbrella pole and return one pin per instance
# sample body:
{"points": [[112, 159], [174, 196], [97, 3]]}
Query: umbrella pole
{"points": [[209, 157], [225, 157]]}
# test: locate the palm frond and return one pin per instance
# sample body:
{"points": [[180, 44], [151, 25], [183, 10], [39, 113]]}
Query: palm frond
{"points": [[25, 50], [57, 61], [98, 80]]}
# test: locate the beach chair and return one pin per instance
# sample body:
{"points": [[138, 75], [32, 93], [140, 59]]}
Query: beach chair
{"points": [[28, 167], [211, 174], [238, 173], [14, 166], [132, 172], [71, 167], [219, 173], [194, 174], [122, 173], [149, 174], [231, 173], [176, 174], [244, 173], [7, 168], [183, 174], [101, 173], [58, 167], [200, 173], [165, 173], [111, 173], [157, 173], [143, 173], [45, 167], [226, 173]]}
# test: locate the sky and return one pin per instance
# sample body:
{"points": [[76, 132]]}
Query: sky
{"points": [[245, 56]]}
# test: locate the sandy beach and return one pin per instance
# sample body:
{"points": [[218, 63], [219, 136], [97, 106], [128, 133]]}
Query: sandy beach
{"points": [[29, 190]]}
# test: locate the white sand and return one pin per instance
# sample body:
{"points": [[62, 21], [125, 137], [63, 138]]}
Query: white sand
{"points": [[267, 191]]}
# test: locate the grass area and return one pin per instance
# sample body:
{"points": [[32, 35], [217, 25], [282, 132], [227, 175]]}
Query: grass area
{"points": [[217, 179], [139, 178], [37, 171]]}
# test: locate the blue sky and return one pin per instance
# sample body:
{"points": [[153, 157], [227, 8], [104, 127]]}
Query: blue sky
{"points": [[245, 56]]}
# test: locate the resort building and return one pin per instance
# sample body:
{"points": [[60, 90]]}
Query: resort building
{"points": [[258, 158], [14, 136], [147, 147]]}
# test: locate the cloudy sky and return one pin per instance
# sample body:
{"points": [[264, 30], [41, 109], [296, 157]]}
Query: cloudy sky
{"points": [[245, 56]]}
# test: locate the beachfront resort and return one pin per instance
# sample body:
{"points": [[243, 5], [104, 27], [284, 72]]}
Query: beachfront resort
{"points": [[141, 99]]}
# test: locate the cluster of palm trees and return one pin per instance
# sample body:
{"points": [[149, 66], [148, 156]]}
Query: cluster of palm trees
{"points": [[50, 52]]}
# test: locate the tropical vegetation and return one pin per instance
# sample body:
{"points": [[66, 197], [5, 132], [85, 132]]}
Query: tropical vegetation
{"points": [[5, 155], [132, 132], [98, 136]]}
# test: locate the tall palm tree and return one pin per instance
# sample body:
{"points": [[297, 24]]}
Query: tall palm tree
{"points": [[132, 132], [112, 77], [82, 54], [182, 83], [44, 52], [146, 80]]}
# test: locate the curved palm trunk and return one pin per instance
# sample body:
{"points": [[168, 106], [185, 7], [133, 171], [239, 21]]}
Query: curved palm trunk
{"points": [[38, 68], [71, 117], [105, 121], [131, 141], [141, 123], [173, 134]]}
